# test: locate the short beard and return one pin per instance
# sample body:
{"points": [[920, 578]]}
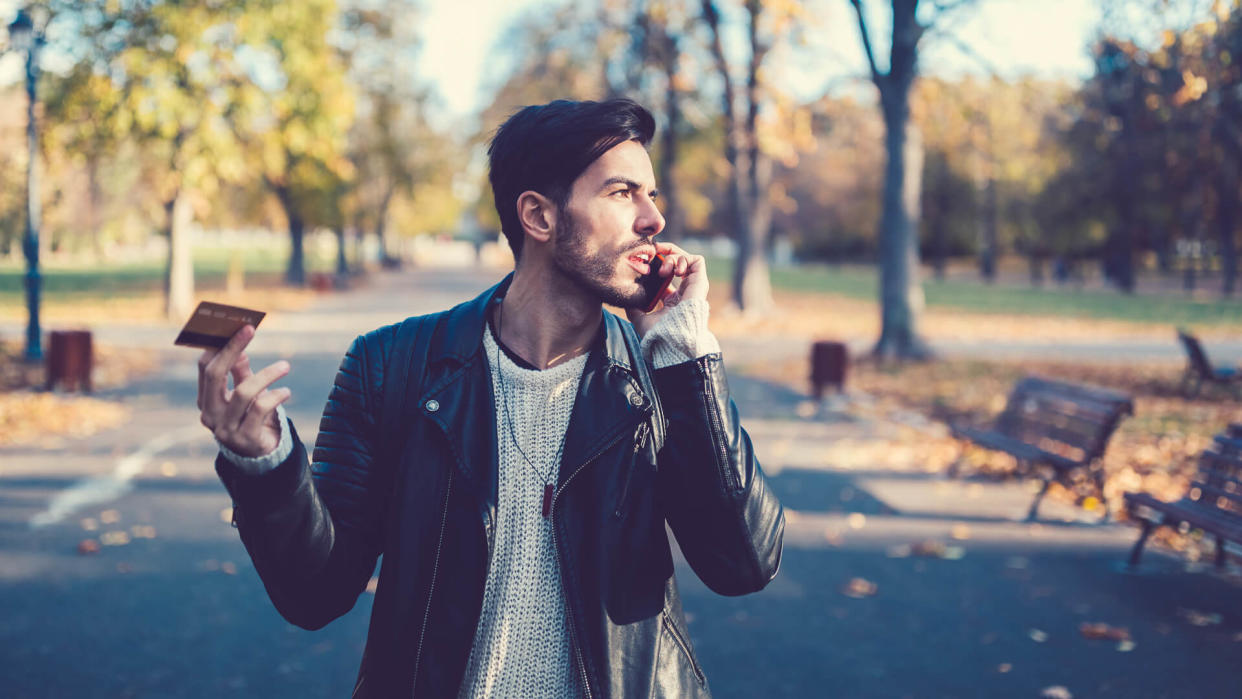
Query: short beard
{"points": [[593, 274]]}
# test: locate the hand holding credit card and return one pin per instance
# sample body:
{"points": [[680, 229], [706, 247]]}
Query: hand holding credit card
{"points": [[212, 324], [243, 418]]}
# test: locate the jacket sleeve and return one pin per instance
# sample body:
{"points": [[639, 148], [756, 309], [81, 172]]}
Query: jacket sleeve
{"points": [[315, 531], [729, 525]]}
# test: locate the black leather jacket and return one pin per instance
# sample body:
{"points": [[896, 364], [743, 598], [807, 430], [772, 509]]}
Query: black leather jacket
{"points": [[315, 531]]}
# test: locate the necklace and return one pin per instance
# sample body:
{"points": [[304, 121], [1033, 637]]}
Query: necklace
{"points": [[504, 398]]}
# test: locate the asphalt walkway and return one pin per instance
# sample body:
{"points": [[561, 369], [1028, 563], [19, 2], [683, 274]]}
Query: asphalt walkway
{"points": [[894, 582]]}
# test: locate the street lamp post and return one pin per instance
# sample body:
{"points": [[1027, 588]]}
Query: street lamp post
{"points": [[24, 37]]}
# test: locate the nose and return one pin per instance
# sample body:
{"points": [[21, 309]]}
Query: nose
{"points": [[650, 221]]}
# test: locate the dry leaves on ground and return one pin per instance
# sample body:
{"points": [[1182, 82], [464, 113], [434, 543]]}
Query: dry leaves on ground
{"points": [[34, 417]]}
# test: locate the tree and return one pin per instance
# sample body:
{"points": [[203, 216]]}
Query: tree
{"points": [[295, 111], [750, 167], [901, 294], [169, 73]]}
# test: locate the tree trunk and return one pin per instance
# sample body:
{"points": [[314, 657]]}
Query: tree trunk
{"points": [[668, 148], [342, 261], [754, 282], [987, 229], [1226, 220], [179, 273], [295, 273], [381, 220], [738, 219], [94, 196], [901, 294]]}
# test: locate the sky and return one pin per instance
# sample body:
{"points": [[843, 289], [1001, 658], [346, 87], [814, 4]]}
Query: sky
{"points": [[1044, 37]]}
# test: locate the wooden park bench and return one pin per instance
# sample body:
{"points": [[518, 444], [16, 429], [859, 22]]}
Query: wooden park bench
{"points": [[1062, 426], [1213, 504], [1199, 370]]}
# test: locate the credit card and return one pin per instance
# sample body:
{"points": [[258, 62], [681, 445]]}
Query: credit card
{"points": [[213, 324]]}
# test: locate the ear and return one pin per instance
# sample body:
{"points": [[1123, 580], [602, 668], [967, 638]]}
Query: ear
{"points": [[537, 214]]}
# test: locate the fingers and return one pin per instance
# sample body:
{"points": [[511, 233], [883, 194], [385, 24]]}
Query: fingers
{"points": [[680, 261], [249, 390], [214, 368], [258, 432]]}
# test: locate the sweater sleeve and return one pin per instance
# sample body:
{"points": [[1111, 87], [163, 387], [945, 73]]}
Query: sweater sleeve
{"points": [[681, 335], [255, 465]]}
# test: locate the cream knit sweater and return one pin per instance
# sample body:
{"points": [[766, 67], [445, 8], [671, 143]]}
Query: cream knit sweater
{"points": [[522, 645]]}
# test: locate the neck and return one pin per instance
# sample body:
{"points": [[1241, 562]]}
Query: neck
{"points": [[545, 320]]}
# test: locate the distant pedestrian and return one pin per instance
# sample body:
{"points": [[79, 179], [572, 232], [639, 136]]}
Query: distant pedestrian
{"points": [[515, 458]]}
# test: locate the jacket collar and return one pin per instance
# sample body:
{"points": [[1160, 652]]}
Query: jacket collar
{"points": [[461, 339]]}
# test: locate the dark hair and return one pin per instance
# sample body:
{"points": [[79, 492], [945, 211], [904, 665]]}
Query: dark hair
{"points": [[544, 148]]}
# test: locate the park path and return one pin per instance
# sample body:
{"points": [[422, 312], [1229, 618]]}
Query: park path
{"points": [[171, 607]]}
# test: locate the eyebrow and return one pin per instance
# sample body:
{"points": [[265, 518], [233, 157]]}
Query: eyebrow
{"points": [[620, 179]]}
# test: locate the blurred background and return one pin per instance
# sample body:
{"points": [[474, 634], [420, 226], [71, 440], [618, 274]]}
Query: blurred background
{"points": [[936, 198]]}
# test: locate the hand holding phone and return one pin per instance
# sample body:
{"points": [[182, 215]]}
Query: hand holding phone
{"points": [[659, 286]]}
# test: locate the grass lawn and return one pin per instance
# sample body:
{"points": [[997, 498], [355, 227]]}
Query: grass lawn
{"points": [[862, 283], [141, 278]]}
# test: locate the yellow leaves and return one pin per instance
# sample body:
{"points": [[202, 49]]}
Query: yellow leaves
{"points": [[1193, 87]]}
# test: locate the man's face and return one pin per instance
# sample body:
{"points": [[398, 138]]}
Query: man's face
{"points": [[604, 235]]}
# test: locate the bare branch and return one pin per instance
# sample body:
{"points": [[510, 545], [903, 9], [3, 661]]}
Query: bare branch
{"points": [[969, 51], [866, 41]]}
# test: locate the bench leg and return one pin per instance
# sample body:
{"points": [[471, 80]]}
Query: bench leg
{"points": [[1137, 551], [1098, 477], [1034, 511]]}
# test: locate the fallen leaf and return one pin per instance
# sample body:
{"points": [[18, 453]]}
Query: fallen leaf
{"points": [[1197, 618], [168, 468], [961, 532], [1004, 667], [109, 516], [859, 588], [899, 551], [142, 531], [228, 568], [1103, 631], [1056, 692], [953, 553], [90, 524], [1037, 635], [88, 546], [1125, 646], [114, 538], [929, 548], [857, 520]]}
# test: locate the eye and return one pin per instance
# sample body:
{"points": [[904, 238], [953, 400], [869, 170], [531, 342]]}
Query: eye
{"points": [[625, 192]]}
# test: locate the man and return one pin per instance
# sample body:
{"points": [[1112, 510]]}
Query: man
{"points": [[520, 498]]}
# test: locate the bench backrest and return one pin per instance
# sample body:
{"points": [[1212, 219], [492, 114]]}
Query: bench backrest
{"points": [[1071, 420], [1194, 353], [1219, 480]]}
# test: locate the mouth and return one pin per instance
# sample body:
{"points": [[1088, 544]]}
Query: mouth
{"points": [[641, 261]]}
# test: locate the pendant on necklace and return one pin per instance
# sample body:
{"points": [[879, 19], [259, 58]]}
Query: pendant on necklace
{"points": [[547, 500]]}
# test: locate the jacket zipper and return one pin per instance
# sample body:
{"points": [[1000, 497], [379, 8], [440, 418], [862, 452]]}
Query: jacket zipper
{"points": [[641, 441], [569, 612], [722, 459], [435, 569], [685, 648]]}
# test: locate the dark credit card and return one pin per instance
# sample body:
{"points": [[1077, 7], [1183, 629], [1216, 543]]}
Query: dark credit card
{"points": [[212, 324]]}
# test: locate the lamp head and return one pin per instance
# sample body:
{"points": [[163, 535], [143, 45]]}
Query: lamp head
{"points": [[21, 31]]}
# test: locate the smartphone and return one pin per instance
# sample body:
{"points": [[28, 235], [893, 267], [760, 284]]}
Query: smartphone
{"points": [[655, 285]]}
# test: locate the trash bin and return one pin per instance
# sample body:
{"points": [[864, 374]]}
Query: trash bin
{"points": [[829, 361], [69, 360]]}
